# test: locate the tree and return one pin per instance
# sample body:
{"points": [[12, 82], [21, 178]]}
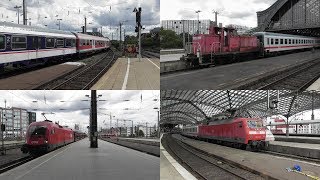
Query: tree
{"points": [[169, 39]]}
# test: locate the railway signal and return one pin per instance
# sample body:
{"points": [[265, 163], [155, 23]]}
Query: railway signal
{"points": [[138, 27]]}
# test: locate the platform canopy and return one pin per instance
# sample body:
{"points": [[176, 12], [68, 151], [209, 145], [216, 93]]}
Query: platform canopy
{"points": [[196, 106]]}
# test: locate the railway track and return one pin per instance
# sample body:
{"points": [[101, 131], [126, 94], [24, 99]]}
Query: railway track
{"points": [[83, 78], [296, 78], [204, 166], [15, 163]]}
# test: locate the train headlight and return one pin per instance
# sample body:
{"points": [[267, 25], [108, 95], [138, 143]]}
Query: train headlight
{"points": [[46, 142]]}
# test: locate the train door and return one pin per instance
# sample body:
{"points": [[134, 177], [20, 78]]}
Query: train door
{"points": [[37, 41]]}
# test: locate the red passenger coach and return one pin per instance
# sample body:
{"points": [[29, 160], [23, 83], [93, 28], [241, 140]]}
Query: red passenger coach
{"points": [[46, 136], [90, 44]]}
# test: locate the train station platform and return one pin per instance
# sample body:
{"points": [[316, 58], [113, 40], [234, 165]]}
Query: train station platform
{"points": [[78, 161], [268, 164], [226, 76], [315, 86], [170, 169], [298, 139], [33, 79], [307, 150], [131, 74], [154, 142]]}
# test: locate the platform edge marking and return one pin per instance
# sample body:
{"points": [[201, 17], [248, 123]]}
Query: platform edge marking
{"points": [[153, 63], [124, 85], [180, 169]]}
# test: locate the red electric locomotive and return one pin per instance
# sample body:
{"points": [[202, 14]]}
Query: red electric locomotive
{"points": [[46, 136], [237, 132]]}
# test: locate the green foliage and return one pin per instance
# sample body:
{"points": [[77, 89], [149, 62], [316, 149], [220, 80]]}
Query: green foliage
{"points": [[131, 40], [169, 39], [115, 44]]}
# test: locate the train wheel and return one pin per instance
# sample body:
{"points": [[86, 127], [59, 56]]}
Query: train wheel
{"points": [[243, 146]]}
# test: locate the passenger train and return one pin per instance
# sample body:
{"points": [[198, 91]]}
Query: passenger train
{"points": [[224, 45], [45, 136], [22, 45], [275, 42], [236, 132]]}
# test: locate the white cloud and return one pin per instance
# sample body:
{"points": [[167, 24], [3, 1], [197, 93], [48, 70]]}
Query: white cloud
{"points": [[241, 12], [72, 13], [70, 108]]}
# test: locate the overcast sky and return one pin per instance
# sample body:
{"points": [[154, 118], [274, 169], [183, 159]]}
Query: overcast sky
{"points": [[239, 12], [106, 13], [69, 108]]}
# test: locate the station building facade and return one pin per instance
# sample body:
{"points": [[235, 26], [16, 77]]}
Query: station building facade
{"points": [[16, 121], [187, 26]]}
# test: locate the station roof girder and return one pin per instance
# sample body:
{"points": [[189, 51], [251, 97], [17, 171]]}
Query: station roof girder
{"points": [[194, 106]]}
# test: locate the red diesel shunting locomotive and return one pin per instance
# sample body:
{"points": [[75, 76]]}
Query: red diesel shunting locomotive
{"points": [[46, 136], [237, 132]]}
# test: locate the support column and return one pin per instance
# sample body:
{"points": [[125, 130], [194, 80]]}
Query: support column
{"points": [[93, 120]]}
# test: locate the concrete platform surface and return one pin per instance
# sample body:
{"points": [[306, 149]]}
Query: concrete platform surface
{"points": [[299, 139], [131, 74], [33, 79], [79, 162], [297, 149], [274, 166], [221, 77], [141, 139], [170, 169], [11, 142], [171, 57], [315, 86]]}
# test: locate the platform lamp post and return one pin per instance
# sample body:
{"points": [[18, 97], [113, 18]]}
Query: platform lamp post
{"points": [[158, 129], [198, 22], [18, 9], [120, 26], [59, 23]]}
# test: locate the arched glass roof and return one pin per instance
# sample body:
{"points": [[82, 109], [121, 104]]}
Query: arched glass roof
{"points": [[194, 106]]}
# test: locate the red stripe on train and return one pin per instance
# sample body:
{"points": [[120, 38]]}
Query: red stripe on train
{"points": [[20, 52]]}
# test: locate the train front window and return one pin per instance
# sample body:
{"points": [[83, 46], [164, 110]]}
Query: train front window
{"points": [[2, 42], [254, 124], [37, 131]]}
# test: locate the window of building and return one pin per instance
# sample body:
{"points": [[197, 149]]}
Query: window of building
{"points": [[19, 42], [2, 42]]}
